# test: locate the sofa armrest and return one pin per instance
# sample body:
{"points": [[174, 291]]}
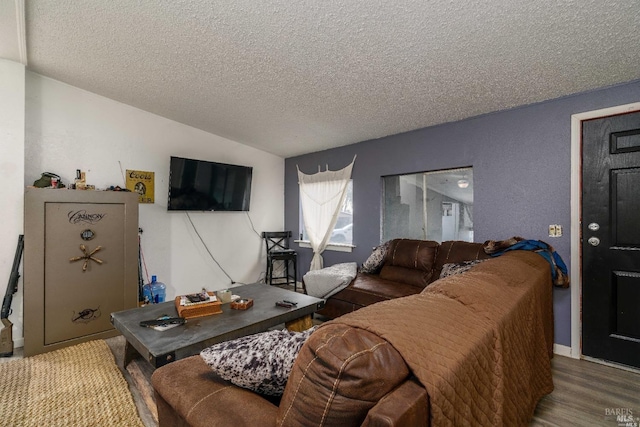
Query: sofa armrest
{"points": [[406, 406]]}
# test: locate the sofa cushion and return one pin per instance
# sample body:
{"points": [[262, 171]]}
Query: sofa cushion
{"points": [[259, 362], [188, 392], [340, 374], [414, 254], [409, 276], [367, 289], [410, 261]]}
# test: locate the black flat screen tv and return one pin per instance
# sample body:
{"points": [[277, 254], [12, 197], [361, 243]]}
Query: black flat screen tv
{"points": [[198, 185]]}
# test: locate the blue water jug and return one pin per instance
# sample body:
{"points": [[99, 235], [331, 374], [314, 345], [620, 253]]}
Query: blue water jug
{"points": [[154, 292]]}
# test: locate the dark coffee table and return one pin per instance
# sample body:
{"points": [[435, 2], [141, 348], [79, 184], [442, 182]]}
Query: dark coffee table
{"points": [[162, 347]]}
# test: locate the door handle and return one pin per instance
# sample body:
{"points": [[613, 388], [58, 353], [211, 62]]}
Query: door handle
{"points": [[593, 241]]}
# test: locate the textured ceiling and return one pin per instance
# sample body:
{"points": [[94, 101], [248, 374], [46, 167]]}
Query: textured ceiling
{"points": [[292, 77]]}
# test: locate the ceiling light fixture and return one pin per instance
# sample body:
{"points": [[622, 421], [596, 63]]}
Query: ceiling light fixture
{"points": [[463, 183]]}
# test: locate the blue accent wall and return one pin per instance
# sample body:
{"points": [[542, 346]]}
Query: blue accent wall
{"points": [[521, 172]]}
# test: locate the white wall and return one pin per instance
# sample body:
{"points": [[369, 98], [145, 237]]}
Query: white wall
{"points": [[68, 128], [12, 116]]}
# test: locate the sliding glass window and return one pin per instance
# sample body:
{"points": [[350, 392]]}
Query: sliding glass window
{"points": [[434, 205]]}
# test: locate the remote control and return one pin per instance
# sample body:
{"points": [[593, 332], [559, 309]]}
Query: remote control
{"points": [[163, 322], [284, 304]]}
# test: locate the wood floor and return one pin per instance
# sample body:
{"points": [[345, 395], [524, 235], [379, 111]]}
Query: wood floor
{"points": [[586, 393]]}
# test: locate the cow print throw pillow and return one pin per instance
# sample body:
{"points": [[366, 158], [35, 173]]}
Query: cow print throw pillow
{"points": [[458, 268], [260, 362], [374, 263]]}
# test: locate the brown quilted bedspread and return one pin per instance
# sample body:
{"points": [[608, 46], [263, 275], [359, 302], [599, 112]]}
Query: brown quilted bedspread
{"points": [[480, 342]]}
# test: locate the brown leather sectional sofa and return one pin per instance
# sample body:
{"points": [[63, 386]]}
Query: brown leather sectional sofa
{"points": [[409, 266], [472, 348], [378, 387]]}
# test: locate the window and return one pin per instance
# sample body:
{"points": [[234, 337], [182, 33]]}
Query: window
{"points": [[429, 206], [343, 231]]}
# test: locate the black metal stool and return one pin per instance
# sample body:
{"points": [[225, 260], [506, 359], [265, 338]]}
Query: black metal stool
{"points": [[278, 251]]}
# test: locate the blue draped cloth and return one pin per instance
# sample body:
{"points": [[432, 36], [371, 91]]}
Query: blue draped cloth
{"points": [[559, 272]]}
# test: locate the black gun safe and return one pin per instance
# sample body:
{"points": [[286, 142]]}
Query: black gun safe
{"points": [[80, 265]]}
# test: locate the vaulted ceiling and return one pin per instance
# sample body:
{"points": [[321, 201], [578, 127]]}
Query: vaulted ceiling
{"points": [[293, 77]]}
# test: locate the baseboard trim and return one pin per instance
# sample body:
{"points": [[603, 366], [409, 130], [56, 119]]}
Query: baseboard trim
{"points": [[612, 364], [562, 350]]}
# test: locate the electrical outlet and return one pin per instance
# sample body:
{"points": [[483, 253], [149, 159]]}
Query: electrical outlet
{"points": [[555, 230]]}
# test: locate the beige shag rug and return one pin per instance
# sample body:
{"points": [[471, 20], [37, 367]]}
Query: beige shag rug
{"points": [[73, 386]]}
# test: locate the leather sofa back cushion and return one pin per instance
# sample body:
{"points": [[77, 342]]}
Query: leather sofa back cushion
{"points": [[410, 261], [415, 254], [340, 374]]}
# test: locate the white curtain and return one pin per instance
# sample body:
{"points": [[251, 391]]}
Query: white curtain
{"points": [[321, 197]]}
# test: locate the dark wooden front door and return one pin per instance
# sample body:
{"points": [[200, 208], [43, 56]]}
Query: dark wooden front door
{"points": [[611, 238]]}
